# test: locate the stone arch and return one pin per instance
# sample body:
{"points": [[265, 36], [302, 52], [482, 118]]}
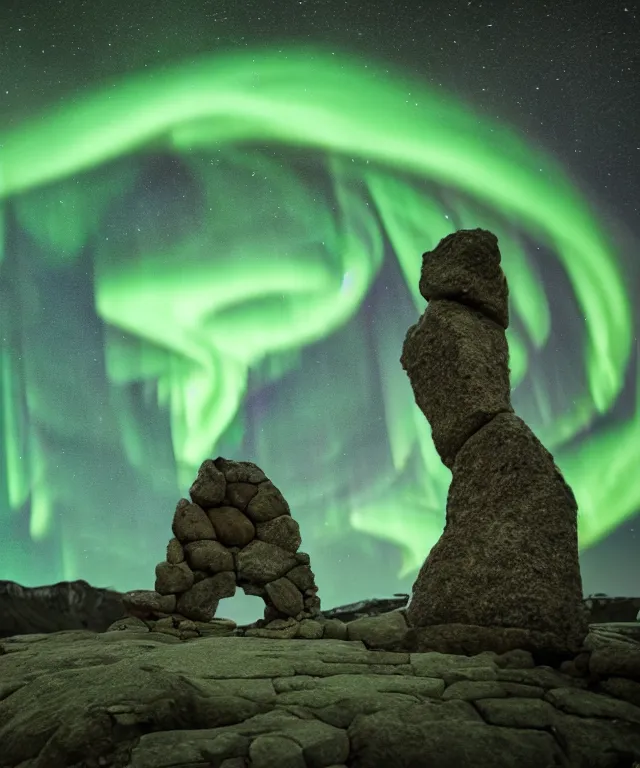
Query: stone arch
{"points": [[236, 531]]}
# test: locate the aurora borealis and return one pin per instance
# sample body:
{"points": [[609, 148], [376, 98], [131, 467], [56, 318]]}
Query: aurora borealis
{"points": [[221, 257]]}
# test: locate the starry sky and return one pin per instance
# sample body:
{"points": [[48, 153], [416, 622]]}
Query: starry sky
{"points": [[565, 74]]}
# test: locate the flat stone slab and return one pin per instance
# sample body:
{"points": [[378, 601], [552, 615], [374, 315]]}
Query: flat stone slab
{"points": [[131, 699]]}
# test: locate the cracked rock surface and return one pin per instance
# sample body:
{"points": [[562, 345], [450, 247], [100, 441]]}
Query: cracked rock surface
{"points": [[141, 698]]}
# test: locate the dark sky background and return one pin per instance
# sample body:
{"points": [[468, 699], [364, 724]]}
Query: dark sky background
{"points": [[565, 74]]}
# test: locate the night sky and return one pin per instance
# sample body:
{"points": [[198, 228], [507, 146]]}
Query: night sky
{"points": [[565, 75]]}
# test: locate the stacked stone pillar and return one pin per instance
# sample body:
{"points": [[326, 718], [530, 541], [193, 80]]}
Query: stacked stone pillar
{"points": [[506, 566]]}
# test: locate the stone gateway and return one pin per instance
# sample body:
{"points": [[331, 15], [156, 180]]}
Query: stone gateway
{"points": [[237, 531]]}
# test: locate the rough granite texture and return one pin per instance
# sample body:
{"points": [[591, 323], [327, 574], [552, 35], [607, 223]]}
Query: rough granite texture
{"points": [[236, 531], [507, 560], [142, 697]]}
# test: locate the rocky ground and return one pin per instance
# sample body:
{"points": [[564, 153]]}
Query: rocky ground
{"points": [[207, 697]]}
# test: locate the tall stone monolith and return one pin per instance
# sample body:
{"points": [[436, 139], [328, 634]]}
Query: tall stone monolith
{"points": [[505, 572]]}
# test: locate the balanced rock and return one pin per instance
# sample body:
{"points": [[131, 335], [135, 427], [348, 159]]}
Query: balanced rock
{"points": [[507, 561]]}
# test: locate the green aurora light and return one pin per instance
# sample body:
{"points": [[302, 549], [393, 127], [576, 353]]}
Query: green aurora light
{"points": [[275, 266]]}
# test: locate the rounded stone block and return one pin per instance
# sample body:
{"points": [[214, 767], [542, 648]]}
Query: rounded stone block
{"points": [[173, 578], [260, 562], [267, 504], [208, 556], [303, 577], [190, 523], [283, 531], [240, 471], [209, 487], [457, 361], [285, 596], [147, 603], [200, 602], [465, 267], [508, 556], [232, 527], [240, 494], [175, 553]]}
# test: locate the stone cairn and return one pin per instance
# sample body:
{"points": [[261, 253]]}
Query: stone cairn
{"points": [[505, 572], [237, 531]]}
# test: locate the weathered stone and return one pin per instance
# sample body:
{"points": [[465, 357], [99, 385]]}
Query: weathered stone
{"points": [[334, 629], [201, 601], [278, 629], [223, 584], [515, 659], [589, 704], [543, 677], [261, 562], [517, 713], [508, 557], [437, 735], [209, 487], [208, 555], [175, 553], [597, 744], [267, 504], [285, 596], [472, 690], [200, 575], [458, 364], [128, 623], [336, 700], [523, 691], [173, 579], [220, 536], [605, 636], [240, 471], [256, 590], [240, 494], [465, 267], [191, 523], [620, 688], [271, 613], [302, 576], [309, 629], [283, 531], [240, 762], [470, 639], [452, 668], [216, 627], [385, 631], [147, 604], [169, 625], [508, 554], [312, 604], [616, 662], [185, 629], [232, 527]]}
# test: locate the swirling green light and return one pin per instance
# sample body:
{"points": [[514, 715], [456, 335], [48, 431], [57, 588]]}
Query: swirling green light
{"points": [[272, 269]]}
